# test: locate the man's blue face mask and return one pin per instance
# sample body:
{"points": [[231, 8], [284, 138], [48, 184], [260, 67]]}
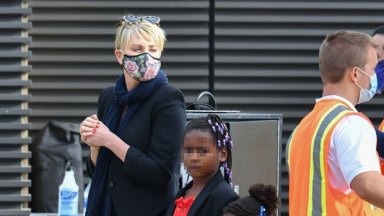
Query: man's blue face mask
{"points": [[380, 76]]}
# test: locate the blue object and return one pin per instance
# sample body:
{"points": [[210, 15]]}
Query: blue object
{"points": [[263, 211], [380, 76], [380, 143]]}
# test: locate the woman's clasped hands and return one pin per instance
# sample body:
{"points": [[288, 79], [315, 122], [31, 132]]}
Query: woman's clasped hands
{"points": [[93, 132]]}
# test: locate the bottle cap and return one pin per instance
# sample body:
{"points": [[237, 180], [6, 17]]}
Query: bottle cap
{"points": [[68, 166]]}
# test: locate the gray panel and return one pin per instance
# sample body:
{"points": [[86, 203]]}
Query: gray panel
{"points": [[255, 158], [14, 111]]}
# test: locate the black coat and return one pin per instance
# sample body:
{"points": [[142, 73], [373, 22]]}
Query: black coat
{"points": [[216, 195], [146, 182]]}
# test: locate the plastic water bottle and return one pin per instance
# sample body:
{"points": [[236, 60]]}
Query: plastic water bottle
{"points": [[86, 192], [68, 194]]}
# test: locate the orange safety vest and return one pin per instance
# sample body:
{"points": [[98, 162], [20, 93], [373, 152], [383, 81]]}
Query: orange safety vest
{"points": [[310, 192], [381, 126]]}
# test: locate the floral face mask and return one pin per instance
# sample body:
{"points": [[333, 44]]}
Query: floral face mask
{"points": [[141, 67]]}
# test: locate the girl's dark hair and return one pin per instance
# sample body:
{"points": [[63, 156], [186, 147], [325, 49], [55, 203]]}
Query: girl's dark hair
{"points": [[260, 197], [220, 134]]}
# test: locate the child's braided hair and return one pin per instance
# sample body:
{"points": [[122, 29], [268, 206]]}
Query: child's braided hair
{"points": [[220, 133]]}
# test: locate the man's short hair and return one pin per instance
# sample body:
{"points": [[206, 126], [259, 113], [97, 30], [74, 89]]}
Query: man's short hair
{"points": [[340, 51]]}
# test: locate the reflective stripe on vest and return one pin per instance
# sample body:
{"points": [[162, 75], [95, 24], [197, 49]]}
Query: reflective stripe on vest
{"points": [[317, 188], [288, 149], [317, 184]]}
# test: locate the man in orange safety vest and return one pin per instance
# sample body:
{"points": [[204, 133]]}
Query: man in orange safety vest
{"points": [[331, 155]]}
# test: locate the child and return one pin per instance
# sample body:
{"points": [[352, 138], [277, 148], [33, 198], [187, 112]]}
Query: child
{"points": [[206, 147], [261, 202]]}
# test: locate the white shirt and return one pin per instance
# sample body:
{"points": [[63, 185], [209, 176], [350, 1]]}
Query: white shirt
{"points": [[352, 149]]}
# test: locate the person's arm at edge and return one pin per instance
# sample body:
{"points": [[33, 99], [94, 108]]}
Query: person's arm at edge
{"points": [[369, 186]]}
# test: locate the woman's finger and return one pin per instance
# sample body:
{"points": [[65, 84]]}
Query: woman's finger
{"points": [[87, 133], [91, 119], [87, 128], [94, 116]]}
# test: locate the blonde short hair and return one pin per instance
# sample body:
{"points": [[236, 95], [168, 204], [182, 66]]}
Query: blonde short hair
{"points": [[126, 31], [342, 50]]}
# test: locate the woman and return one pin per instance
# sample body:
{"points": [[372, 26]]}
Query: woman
{"points": [[135, 139]]}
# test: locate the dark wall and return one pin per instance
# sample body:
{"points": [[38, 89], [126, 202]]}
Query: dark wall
{"points": [[14, 111], [264, 61]]}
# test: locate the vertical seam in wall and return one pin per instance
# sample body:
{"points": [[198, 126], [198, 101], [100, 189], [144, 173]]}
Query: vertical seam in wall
{"points": [[211, 50]]}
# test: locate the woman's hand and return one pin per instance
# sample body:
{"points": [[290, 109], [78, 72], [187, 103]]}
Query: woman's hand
{"points": [[88, 128], [95, 133], [101, 136]]}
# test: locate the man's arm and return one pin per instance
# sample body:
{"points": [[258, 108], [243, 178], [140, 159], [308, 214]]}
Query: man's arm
{"points": [[369, 186]]}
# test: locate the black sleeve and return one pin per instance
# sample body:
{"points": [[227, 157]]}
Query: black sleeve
{"points": [[163, 156]]}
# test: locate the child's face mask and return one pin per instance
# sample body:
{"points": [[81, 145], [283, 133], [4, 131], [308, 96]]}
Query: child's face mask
{"points": [[141, 67]]}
